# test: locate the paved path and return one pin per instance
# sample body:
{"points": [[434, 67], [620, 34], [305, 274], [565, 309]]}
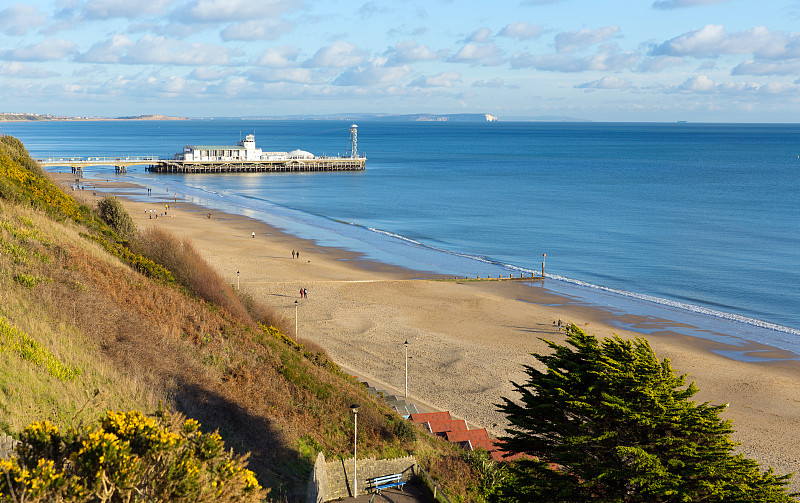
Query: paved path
{"points": [[410, 494]]}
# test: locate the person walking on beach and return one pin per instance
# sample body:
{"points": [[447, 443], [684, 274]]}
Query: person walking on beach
{"points": [[305, 293], [298, 254], [254, 235], [559, 323], [292, 253], [301, 293]]}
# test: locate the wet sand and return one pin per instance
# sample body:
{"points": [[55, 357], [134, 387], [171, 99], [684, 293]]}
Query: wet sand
{"points": [[467, 339]]}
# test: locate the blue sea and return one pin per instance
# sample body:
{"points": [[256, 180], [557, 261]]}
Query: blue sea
{"points": [[694, 223]]}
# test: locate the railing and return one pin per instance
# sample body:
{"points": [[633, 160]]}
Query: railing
{"points": [[436, 489], [98, 160]]}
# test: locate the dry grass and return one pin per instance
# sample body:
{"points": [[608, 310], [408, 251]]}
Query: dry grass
{"points": [[27, 393], [189, 268]]}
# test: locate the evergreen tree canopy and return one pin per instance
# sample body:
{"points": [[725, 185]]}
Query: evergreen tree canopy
{"points": [[607, 421]]}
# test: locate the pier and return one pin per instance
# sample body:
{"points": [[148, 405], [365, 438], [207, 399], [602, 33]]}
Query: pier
{"points": [[260, 166], [243, 157], [156, 165]]}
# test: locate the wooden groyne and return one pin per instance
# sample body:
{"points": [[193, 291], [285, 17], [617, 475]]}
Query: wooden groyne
{"points": [[276, 166]]}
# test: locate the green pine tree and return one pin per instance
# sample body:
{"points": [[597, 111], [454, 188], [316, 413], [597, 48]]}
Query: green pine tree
{"points": [[607, 421]]}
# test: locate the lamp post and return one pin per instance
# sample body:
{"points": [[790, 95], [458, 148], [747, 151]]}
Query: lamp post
{"points": [[237, 280], [543, 257], [295, 319], [354, 408], [406, 346]]}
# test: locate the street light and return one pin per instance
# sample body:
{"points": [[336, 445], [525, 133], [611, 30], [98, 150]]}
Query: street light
{"points": [[543, 257], [295, 319], [406, 346], [237, 280], [354, 408]]}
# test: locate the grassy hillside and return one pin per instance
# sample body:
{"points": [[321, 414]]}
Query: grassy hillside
{"points": [[89, 322]]}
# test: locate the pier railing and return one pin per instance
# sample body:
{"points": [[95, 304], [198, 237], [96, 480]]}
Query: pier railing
{"points": [[96, 161]]}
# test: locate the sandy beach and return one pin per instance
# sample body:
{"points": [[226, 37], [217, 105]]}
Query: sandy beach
{"points": [[467, 339]]}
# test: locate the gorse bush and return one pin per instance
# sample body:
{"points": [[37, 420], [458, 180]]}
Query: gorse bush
{"points": [[113, 213], [126, 457], [22, 181]]}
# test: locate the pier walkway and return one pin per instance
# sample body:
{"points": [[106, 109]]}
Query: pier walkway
{"points": [[156, 165], [77, 164], [282, 165]]}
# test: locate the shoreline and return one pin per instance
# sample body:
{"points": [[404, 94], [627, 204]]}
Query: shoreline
{"points": [[468, 339]]}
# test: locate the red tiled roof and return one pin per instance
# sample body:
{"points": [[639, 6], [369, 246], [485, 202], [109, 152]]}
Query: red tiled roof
{"points": [[431, 417], [471, 435]]}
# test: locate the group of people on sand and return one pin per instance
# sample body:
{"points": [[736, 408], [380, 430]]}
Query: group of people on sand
{"points": [[303, 293], [295, 254], [156, 213]]}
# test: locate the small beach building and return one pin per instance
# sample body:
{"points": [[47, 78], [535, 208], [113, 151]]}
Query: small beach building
{"points": [[245, 150]]}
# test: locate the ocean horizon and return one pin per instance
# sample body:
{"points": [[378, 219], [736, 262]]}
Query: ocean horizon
{"points": [[694, 223]]}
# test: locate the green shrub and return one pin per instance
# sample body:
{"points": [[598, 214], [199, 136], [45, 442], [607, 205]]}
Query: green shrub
{"points": [[113, 213], [404, 430], [126, 457]]}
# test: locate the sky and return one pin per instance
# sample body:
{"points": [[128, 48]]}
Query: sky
{"points": [[626, 60]]}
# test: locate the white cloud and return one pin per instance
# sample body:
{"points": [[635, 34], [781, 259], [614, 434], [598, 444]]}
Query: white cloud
{"points": [[485, 54], [698, 83], [256, 29], [712, 40], [49, 49], [279, 57], [658, 63], [494, 83], [107, 51], [571, 41], [19, 18], [296, 75], [677, 4], [106, 9], [522, 30], [339, 54], [206, 74], [751, 67], [608, 58], [17, 69], [158, 50], [411, 52], [216, 11], [607, 82], [371, 74], [444, 79], [479, 36], [703, 85]]}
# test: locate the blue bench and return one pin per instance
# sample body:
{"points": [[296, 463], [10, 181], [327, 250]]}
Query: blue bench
{"points": [[385, 482]]}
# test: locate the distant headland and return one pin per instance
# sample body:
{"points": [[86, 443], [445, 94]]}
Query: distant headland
{"points": [[362, 117], [19, 117]]}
